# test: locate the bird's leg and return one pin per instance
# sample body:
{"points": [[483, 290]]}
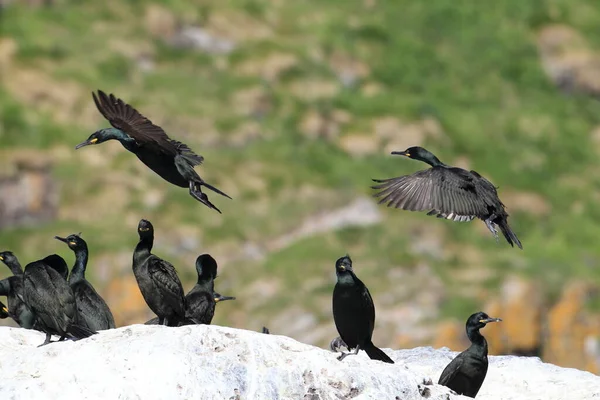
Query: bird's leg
{"points": [[48, 336], [344, 355], [165, 321], [196, 192], [489, 222]]}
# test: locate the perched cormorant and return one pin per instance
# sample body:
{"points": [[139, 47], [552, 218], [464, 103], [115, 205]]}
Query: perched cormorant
{"points": [[446, 192], [12, 288], [336, 345], [3, 311], [354, 312], [93, 310], [465, 374], [266, 330], [49, 296], [172, 160], [200, 301], [157, 280], [218, 298]]}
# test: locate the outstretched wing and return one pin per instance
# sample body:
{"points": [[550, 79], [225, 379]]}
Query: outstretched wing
{"points": [[126, 118], [450, 193]]}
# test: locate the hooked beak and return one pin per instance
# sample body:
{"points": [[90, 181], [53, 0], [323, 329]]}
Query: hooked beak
{"points": [[488, 320], [86, 143], [64, 240], [223, 298], [401, 153]]}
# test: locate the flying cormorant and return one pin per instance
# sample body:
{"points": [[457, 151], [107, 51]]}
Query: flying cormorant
{"points": [[446, 192], [465, 374], [354, 312], [93, 310], [157, 280], [172, 160]]}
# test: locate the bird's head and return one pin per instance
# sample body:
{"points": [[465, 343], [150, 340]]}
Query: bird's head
{"points": [[206, 267], [7, 257], [419, 153], [74, 241], [343, 265], [145, 229], [100, 136], [479, 320]]}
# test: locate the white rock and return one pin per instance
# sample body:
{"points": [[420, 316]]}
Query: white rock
{"points": [[212, 362]]}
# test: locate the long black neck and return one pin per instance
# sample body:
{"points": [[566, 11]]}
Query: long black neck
{"points": [[143, 248], [479, 345], [206, 284], [15, 267], [433, 161], [81, 260]]}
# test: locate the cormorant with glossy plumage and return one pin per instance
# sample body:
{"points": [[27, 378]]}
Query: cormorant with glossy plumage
{"points": [[93, 311], [354, 312], [172, 160], [466, 372], [446, 192], [12, 288], [200, 301], [49, 296], [157, 280]]}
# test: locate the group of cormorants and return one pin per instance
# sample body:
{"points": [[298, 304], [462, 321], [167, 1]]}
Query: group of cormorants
{"points": [[46, 297]]}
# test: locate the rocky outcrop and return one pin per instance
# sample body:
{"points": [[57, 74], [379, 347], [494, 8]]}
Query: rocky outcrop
{"points": [[212, 362]]}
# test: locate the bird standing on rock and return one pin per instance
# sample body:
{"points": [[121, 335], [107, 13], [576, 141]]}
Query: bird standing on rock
{"points": [[49, 296], [466, 372], [157, 280], [446, 192], [12, 288], [354, 312], [93, 310], [172, 160]]}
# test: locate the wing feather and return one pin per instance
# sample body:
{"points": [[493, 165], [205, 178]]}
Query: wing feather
{"points": [[450, 371], [446, 192]]}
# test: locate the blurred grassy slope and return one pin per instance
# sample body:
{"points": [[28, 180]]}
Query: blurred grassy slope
{"points": [[472, 67]]}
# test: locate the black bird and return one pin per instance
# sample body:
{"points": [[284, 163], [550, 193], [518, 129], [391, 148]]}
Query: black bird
{"points": [[49, 296], [446, 192], [93, 310], [218, 298], [12, 288], [172, 160], [354, 312], [3, 311], [200, 301], [266, 330], [157, 280], [465, 374]]}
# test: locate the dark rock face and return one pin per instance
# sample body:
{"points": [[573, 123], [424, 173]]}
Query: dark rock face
{"points": [[28, 196]]}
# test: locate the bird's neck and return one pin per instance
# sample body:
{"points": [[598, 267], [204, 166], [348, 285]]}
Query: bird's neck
{"points": [[127, 141], [15, 268], [207, 284], [346, 278], [478, 343], [81, 260], [143, 248], [433, 161]]}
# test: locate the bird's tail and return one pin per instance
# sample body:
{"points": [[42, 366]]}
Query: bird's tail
{"points": [[80, 332], [214, 189], [508, 233], [376, 353], [153, 321]]}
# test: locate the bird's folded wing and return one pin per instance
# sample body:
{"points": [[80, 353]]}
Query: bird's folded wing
{"points": [[442, 190], [164, 275], [450, 371]]}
